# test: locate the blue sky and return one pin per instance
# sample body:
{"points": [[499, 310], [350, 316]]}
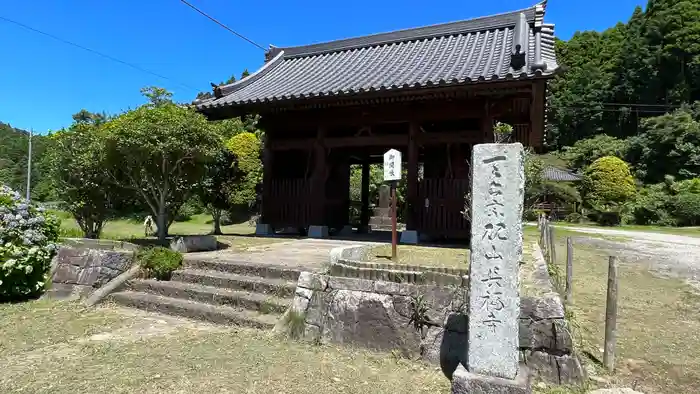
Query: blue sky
{"points": [[43, 82]]}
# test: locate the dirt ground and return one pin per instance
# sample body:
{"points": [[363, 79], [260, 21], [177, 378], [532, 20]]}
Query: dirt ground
{"points": [[62, 348], [668, 255]]}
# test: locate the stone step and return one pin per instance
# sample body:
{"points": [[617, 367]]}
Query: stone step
{"points": [[279, 287], [380, 221], [262, 303], [242, 268], [195, 310]]}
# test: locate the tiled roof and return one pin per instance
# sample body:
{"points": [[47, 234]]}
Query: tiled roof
{"points": [[513, 45], [559, 175]]}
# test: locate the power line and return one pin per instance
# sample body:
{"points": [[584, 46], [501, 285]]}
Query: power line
{"points": [[96, 52], [224, 26]]}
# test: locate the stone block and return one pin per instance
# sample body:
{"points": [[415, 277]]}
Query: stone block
{"points": [[443, 347], [66, 273], [300, 304], [548, 306], [571, 371], [264, 229], [88, 276], [369, 320], [304, 293], [465, 382], [119, 261], [393, 288], [318, 307], [318, 232], [340, 283], [409, 237], [312, 281], [194, 243], [542, 365]]}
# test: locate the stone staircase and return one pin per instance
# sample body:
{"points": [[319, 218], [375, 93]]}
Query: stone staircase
{"points": [[231, 292]]}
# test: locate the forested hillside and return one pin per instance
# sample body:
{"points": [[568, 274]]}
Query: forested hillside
{"points": [[13, 161], [634, 70]]}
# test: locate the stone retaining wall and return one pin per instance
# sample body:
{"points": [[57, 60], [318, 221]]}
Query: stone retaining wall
{"points": [[85, 265], [382, 315]]}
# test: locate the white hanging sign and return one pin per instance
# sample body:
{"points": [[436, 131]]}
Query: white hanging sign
{"points": [[392, 165]]}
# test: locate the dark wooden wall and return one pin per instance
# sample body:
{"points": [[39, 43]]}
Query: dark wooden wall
{"points": [[312, 150]]}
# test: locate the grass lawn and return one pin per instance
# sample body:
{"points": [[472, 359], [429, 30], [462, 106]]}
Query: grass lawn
{"points": [[433, 256], [658, 334], [239, 237], [51, 347]]}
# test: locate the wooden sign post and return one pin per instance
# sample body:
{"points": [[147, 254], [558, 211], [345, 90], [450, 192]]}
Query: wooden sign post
{"points": [[392, 174]]}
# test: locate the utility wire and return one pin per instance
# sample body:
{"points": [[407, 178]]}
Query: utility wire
{"points": [[222, 25], [96, 53]]}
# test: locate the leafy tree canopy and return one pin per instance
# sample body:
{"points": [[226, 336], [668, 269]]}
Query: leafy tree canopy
{"points": [[159, 151]]}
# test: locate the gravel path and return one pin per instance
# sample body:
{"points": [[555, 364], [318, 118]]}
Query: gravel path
{"points": [[671, 255]]}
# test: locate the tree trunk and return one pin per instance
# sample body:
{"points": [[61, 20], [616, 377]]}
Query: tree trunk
{"points": [[162, 223], [216, 215]]}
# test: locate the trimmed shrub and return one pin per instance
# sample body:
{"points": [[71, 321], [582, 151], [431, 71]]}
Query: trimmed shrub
{"points": [[27, 244], [607, 187], [686, 209], [574, 217], [159, 262]]}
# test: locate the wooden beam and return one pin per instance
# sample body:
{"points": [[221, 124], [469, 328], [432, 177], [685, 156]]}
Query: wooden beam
{"points": [[392, 140], [360, 116], [448, 137]]}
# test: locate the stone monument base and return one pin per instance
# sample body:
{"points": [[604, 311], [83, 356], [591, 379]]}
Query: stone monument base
{"points": [[465, 382], [409, 237], [264, 229], [318, 232]]}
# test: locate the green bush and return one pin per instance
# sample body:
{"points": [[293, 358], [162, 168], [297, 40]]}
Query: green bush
{"points": [[686, 209], [190, 208], [532, 215], [27, 245], [159, 262], [574, 217], [650, 206], [608, 186]]}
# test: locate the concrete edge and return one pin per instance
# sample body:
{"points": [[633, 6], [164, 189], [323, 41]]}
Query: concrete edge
{"points": [[351, 252], [543, 278], [112, 285]]}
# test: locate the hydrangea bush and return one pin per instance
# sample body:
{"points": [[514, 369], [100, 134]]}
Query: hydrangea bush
{"points": [[27, 244]]}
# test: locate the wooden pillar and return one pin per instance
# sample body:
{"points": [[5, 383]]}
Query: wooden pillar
{"points": [[412, 175], [267, 182], [536, 135], [487, 123], [364, 213], [318, 187]]}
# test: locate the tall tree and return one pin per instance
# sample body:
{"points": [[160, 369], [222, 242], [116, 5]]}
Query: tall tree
{"points": [[160, 151], [77, 161]]}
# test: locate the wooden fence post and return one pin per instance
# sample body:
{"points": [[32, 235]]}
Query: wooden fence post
{"points": [[552, 248], [568, 296], [611, 316]]}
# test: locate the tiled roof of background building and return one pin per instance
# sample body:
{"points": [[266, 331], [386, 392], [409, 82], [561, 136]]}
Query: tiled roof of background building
{"points": [[559, 175], [506, 46]]}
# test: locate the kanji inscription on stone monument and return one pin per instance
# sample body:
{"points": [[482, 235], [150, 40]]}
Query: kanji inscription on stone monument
{"points": [[496, 250]]}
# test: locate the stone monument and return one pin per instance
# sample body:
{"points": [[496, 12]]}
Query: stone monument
{"points": [[381, 219], [498, 182]]}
